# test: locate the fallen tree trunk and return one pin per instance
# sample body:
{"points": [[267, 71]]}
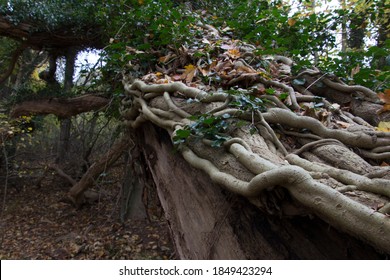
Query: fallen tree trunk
{"points": [[208, 222], [263, 169]]}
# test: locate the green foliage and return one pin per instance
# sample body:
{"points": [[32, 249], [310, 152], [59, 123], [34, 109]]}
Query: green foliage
{"points": [[6, 46], [20, 127], [36, 90], [205, 126], [147, 23], [309, 36], [304, 34], [51, 15], [359, 67], [246, 102], [215, 128]]}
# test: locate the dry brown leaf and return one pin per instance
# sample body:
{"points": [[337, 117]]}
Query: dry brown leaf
{"points": [[227, 47], [207, 70], [385, 96], [189, 73], [241, 67], [343, 124], [133, 50], [234, 53], [176, 77]]}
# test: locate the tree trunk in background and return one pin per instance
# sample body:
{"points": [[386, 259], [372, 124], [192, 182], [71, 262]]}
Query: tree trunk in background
{"points": [[207, 222], [344, 33], [63, 141], [356, 31], [383, 33], [66, 124]]}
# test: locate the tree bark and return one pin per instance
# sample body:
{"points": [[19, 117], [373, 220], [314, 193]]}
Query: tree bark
{"points": [[133, 185], [66, 123], [61, 107], [207, 222]]}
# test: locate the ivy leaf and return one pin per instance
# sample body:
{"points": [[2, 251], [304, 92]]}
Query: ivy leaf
{"points": [[209, 121], [253, 130], [182, 134], [283, 96], [270, 91]]}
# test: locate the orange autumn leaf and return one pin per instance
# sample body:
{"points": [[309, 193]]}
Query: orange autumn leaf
{"points": [[385, 96], [189, 73], [163, 59], [291, 22], [234, 53]]}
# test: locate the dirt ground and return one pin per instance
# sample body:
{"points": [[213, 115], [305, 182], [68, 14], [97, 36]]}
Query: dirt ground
{"points": [[36, 224]]}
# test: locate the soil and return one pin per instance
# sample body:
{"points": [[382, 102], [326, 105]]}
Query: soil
{"points": [[35, 223]]}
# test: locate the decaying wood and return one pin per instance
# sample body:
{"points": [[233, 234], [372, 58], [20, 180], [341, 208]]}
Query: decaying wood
{"points": [[207, 222]]}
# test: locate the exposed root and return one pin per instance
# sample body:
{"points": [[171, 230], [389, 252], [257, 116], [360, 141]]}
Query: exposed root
{"points": [[358, 139], [318, 187]]}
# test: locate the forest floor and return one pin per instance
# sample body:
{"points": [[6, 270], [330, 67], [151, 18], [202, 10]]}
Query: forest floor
{"points": [[36, 224]]}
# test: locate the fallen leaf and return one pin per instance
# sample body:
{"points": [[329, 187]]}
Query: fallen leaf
{"points": [[385, 96], [343, 124], [241, 67], [133, 50], [189, 73], [384, 126], [234, 53], [163, 59], [227, 47]]}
